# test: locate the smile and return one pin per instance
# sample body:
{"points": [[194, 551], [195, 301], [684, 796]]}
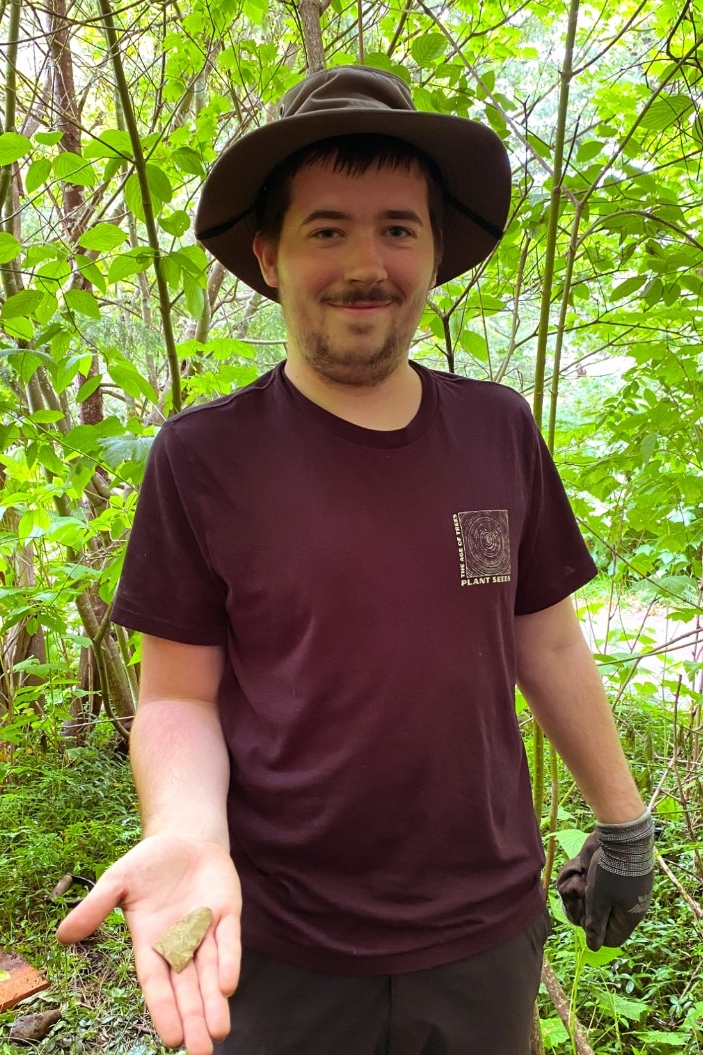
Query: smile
{"points": [[361, 305]]}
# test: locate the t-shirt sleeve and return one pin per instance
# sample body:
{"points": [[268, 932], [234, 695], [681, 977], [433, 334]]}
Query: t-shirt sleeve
{"points": [[168, 587], [553, 558]]}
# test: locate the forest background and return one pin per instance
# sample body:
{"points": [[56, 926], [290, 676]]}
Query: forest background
{"points": [[113, 318]]}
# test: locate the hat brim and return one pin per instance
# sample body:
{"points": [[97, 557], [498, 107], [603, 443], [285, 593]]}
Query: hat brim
{"points": [[471, 157]]}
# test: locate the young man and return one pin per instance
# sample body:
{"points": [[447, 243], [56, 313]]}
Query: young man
{"points": [[340, 573]]}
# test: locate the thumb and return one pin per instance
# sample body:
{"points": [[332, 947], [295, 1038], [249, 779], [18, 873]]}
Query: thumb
{"points": [[86, 917]]}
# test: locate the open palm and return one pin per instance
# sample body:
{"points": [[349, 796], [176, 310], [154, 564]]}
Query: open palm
{"points": [[158, 882]]}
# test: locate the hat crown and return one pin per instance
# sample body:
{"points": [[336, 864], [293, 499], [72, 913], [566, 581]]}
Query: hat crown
{"points": [[359, 101], [346, 88]]}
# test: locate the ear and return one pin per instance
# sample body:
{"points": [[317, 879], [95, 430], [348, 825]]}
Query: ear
{"points": [[266, 255]]}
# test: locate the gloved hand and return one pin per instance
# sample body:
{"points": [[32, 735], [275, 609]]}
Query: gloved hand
{"points": [[608, 887]]}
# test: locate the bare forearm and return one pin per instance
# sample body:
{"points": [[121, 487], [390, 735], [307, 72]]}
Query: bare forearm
{"points": [[181, 769], [562, 685]]}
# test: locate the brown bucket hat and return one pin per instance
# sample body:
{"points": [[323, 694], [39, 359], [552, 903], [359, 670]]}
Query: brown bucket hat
{"points": [[349, 100]]}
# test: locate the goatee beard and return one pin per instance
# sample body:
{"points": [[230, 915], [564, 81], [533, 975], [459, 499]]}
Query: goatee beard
{"points": [[351, 368]]}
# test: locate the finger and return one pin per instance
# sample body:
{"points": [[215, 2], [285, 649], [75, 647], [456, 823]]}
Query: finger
{"points": [[186, 987], [155, 979], [90, 913], [574, 907], [229, 953], [215, 1003], [596, 926]]}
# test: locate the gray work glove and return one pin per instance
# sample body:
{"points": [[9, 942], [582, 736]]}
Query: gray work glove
{"points": [[608, 887]]}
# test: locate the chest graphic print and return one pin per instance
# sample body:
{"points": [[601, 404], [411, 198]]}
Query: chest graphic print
{"points": [[483, 538]]}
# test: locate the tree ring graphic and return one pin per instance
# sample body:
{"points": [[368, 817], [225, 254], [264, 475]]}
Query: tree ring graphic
{"points": [[486, 539]]}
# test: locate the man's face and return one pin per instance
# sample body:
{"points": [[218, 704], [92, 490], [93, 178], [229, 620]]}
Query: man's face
{"points": [[353, 266]]}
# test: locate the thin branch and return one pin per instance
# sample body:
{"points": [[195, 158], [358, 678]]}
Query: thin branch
{"points": [[563, 1008], [147, 204]]}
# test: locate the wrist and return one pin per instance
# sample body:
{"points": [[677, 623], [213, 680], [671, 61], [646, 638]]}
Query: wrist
{"points": [[194, 833], [627, 849]]}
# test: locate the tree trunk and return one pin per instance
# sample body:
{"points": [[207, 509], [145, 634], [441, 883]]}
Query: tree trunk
{"points": [[65, 107], [310, 12]]}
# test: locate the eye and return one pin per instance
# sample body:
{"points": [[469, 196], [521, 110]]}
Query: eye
{"points": [[325, 234], [397, 232]]}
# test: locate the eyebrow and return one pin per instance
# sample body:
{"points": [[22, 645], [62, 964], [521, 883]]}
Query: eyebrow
{"points": [[336, 214]]}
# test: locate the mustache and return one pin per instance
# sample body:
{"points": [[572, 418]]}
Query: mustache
{"points": [[358, 296]]}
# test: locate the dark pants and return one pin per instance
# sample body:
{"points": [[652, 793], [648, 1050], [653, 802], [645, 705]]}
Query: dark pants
{"points": [[479, 1006]]}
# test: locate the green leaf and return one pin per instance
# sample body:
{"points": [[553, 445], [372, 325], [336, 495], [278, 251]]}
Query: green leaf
{"points": [[37, 253], [119, 449], [571, 840], [33, 524], [20, 328], [195, 296], [46, 417], [37, 174], [600, 958], [126, 375], [589, 150], [187, 160], [255, 10], [130, 263], [9, 247], [622, 1007], [665, 111], [428, 48], [68, 531], [193, 260], [664, 1038], [71, 168], [648, 447], [554, 1032], [697, 128], [83, 438], [159, 183], [112, 167], [51, 276], [47, 308], [48, 139], [171, 269], [630, 285], [88, 387], [13, 146], [380, 61], [20, 305], [91, 272], [177, 223], [540, 147], [133, 197], [103, 237], [83, 302], [475, 345], [111, 143], [47, 457]]}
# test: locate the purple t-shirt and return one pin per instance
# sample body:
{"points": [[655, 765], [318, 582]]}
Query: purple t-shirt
{"points": [[364, 585]]}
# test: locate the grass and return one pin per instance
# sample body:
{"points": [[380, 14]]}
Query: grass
{"points": [[69, 810]]}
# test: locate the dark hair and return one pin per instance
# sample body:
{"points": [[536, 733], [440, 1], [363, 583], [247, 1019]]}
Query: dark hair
{"points": [[353, 155]]}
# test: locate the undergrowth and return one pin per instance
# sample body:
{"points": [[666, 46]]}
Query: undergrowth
{"points": [[69, 810], [66, 809]]}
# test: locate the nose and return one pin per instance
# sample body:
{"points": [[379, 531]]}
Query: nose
{"points": [[365, 261]]}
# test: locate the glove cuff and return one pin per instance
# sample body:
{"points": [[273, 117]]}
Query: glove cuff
{"points": [[627, 849]]}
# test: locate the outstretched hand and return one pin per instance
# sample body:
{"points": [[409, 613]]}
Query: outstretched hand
{"points": [[159, 881]]}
